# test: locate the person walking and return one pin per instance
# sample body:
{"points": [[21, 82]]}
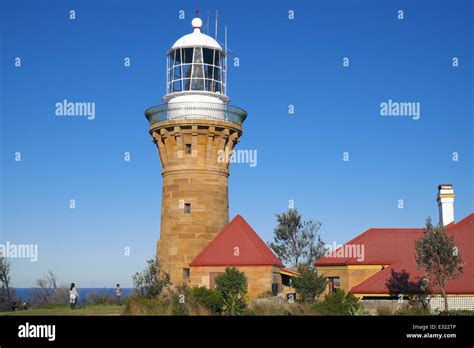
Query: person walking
{"points": [[118, 294], [73, 296]]}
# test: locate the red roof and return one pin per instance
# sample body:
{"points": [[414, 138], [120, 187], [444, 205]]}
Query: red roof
{"points": [[396, 249], [237, 233]]}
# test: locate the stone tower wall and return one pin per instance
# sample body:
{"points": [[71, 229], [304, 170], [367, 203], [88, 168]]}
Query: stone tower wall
{"points": [[194, 175]]}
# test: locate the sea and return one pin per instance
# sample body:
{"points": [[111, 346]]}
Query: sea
{"points": [[26, 294]]}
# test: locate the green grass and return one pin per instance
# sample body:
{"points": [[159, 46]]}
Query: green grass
{"points": [[65, 310]]}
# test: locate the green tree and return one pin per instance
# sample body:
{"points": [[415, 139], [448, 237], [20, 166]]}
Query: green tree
{"points": [[296, 242], [233, 287], [309, 285], [338, 303], [438, 255], [151, 281]]}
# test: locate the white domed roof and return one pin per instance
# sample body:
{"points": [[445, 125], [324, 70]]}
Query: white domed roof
{"points": [[196, 38]]}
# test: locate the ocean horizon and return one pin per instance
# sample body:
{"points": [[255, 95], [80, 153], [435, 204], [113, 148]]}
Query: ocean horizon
{"points": [[26, 294]]}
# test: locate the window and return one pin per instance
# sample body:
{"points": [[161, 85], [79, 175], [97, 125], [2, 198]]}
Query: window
{"points": [[195, 69], [186, 273], [187, 55], [208, 56], [176, 86], [212, 279], [276, 288], [187, 208], [334, 283], [188, 149]]}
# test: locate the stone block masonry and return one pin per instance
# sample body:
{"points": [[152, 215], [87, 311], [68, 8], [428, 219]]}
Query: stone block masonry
{"points": [[195, 202]]}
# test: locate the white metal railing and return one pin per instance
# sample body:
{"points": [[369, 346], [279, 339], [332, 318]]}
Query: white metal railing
{"points": [[195, 110]]}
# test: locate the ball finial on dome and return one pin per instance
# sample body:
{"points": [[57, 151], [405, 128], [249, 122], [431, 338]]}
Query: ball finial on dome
{"points": [[196, 23]]}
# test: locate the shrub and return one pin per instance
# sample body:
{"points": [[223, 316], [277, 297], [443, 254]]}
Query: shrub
{"points": [[416, 291], [309, 285], [412, 310], [283, 308], [232, 285], [338, 303], [265, 294], [267, 309], [210, 299], [148, 283], [174, 300], [141, 305], [384, 310], [99, 299], [179, 303]]}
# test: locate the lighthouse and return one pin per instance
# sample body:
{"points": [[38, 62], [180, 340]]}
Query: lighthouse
{"points": [[193, 126]]}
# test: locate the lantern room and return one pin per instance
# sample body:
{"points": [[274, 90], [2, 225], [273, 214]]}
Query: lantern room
{"points": [[196, 65]]}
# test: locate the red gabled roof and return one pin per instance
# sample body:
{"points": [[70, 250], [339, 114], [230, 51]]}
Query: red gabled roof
{"points": [[237, 233], [396, 248]]}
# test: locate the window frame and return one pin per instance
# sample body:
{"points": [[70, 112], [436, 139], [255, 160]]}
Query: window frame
{"points": [[186, 273], [213, 76]]}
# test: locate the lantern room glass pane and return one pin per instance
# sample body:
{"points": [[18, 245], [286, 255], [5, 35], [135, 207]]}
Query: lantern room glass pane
{"points": [[217, 74], [208, 56], [177, 59], [172, 58], [187, 84], [208, 71], [198, 71], [176, 72], [176, 87], [187, 55], [187, 70], [197, 55], [197, 84], [217, 57]]}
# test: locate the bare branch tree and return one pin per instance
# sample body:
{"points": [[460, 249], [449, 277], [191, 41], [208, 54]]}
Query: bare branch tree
{"points": [[6, 290], [48, 292]]}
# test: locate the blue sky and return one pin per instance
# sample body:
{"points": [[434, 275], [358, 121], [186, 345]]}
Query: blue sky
{"points": [[300, 156]]}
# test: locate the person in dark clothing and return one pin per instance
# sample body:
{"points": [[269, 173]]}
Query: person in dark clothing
{"points": [[118, 295]]}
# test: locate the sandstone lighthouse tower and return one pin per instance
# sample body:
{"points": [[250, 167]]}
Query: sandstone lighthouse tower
{"points": [[193, 126]]}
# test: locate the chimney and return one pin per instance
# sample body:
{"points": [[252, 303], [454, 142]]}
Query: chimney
{"points": [[446, 204]]}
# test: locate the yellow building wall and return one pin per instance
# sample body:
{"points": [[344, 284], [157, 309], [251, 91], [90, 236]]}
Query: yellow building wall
{"points": [[349, 275], [259, 278]]}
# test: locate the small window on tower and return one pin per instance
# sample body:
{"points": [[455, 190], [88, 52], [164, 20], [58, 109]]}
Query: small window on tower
{"points": [[186, 273], [187, 208], [188, 149]]}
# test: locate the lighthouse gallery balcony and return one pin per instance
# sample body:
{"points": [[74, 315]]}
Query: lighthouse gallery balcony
{"points": [[195, 110]]}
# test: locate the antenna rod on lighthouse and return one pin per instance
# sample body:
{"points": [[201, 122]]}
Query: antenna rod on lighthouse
{"points": [[225, 40], [225, 59], [215, 32]]}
